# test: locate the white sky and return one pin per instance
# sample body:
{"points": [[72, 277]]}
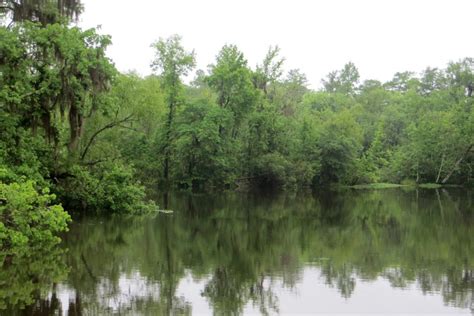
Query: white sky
{"points": [[380, 36]]}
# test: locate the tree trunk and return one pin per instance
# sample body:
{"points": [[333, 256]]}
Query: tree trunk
{"points": [[417, 174], [76, 124], [440, 168], [456, 165], [166, 167], [167, 145]]}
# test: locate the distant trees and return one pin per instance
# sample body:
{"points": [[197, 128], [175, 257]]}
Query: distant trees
{"points": [[270, 71], [244, 126], [342, 81]]}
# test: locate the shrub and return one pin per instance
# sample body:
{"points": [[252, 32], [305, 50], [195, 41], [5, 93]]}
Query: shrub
{"points": [[28, 218], [112, 188]]}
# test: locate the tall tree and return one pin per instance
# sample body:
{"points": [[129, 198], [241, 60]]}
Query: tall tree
{"points": [[171, 62], [343, 81], [288, 93], [61, 70], [270, 70], [230, 78], [402, 82], [461, 75]]}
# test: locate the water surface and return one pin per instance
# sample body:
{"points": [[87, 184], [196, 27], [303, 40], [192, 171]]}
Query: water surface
{"points": [[388, 251]]}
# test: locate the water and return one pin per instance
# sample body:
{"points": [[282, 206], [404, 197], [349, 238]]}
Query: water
{"points": [[388, 251]]}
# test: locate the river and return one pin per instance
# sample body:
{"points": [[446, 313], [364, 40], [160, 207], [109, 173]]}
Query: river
{"points": [[352, 251]]}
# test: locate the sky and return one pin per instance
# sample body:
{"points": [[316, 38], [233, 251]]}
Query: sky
{"points": [[381, 37]]}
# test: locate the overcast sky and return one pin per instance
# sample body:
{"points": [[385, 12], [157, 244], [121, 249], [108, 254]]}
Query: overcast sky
{"points": [[380, 36]]}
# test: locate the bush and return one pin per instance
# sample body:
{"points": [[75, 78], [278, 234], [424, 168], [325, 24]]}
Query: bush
{"points": [[111, 188], [28, 219]]}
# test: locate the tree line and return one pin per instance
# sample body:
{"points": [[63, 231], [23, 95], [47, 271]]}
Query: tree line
{"points": [[75, 132], [234, 125]]}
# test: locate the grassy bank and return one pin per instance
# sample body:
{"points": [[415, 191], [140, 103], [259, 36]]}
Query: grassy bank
{"points": [[377, 186]]}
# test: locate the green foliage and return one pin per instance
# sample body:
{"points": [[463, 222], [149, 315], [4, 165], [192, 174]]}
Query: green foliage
{"points": [[52, 70], [231, 79], [57, 109], [69, 122], [172, 62], [340, 144], [59, 132], [343, 81], [42, 11], [238, 126], [402, 82], [270, 70], [375, 186], [26, 276], [322, 101], [112, 187], [199, 149], [28, 217]]}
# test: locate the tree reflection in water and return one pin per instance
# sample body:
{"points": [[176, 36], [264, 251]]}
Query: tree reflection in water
{"points": [[241, 250], [31, 275]]}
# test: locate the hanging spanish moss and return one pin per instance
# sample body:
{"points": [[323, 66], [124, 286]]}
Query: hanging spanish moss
{"points": [[43, 11]]}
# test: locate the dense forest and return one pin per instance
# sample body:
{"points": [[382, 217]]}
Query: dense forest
{"points": [[78, 134]]}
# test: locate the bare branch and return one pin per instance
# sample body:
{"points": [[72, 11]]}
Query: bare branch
{"points": [[106, 127]]}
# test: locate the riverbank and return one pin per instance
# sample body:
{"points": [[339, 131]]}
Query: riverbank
{"points": [[373, 186]]}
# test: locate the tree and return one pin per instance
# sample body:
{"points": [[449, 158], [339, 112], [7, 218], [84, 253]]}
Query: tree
{"points": [[432, 79], [141, 103], [461, 75], [270, 70], [202, 155], [63, 71], [42, 11], [343, 81], [230, 79], [171, 62], [55, 106], [402, 82], [340, 144], [29, 218], [288, 93]]}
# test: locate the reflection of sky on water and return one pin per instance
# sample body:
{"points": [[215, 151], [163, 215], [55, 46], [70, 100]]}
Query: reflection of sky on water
{"points": [[114, 299], [368, 297], [310, 295]]}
